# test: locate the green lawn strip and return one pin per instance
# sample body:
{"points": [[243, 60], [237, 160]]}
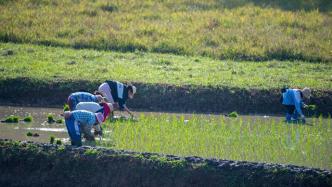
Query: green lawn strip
{"points": [[242, 30], [127, 168], [249, 139], [56, 64]]}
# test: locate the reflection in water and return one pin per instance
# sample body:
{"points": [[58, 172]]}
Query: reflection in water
{"points": [[48, 129]]}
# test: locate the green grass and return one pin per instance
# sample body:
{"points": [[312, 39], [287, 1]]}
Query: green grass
{"points": [[238, 29], [91, 152], [56, 64], [250, 139]]}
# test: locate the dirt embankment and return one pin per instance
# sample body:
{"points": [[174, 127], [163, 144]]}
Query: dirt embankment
{"points": [[160, 97], [34, 164]]}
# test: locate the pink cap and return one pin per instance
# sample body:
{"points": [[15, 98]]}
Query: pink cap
{"points": [[100, 117]]}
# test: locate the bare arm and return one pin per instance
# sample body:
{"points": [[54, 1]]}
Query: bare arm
{"points": [[98, 130], [87, 133], [129, 112]]}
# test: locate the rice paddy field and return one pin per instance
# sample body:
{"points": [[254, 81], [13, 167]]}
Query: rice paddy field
{"points": [[247, 44], [246, 138], [255, 30]]}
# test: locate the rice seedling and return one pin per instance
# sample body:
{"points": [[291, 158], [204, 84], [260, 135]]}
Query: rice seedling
{"points": [[65, 107], [52, 139], [29, 134], [58, 142], [50, 118], [233, 114], [28, 119], [11, 119], [250, 139], [59, 120]]}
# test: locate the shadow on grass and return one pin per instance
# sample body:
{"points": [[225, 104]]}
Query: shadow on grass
{"points": [[293, 5]]}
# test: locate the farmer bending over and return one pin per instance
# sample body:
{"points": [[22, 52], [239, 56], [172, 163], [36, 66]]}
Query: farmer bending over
{"points": [[118, 93], [105, 108], [80, 122], [292, 99], [78, 97]]}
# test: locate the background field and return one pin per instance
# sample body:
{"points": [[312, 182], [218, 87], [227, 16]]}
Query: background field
{"points": [[56, 64], [239, 29]]}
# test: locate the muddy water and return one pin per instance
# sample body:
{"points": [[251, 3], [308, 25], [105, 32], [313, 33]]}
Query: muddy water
{"points": [[39, 125], [18, 131]]}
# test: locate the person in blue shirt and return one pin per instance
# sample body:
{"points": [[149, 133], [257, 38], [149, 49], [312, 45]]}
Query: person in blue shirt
{"points": [[80, 122], [292, 99], [78, 97], [118, 93]]}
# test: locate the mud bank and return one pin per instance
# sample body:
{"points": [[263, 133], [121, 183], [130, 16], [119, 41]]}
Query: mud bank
{"points": [[159, 97], [36, 164]]}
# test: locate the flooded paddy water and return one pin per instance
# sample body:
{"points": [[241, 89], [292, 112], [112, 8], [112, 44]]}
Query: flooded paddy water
{"points": [[39, 124], [248, 137]]}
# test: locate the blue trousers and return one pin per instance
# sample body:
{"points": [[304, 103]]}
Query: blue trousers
{"points": [[73, 129], [291, 113]]}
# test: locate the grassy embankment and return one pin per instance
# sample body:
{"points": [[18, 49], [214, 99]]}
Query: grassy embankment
{"points": [[259, 140], [39, 164], [56, 64], [241, 30]]}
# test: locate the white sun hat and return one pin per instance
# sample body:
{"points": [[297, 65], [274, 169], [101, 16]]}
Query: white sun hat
{"points": [[134, 89]]}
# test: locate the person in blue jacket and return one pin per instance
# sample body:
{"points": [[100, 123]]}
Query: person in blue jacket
{"points": [[293, 99], [118, 93]]}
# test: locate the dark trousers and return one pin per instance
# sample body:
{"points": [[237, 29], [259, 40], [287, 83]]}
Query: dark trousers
{"points": [[73, 131], [291, 112]]}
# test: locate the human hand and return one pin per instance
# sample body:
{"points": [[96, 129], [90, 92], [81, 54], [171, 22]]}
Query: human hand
{"points": [[98, 133]]}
